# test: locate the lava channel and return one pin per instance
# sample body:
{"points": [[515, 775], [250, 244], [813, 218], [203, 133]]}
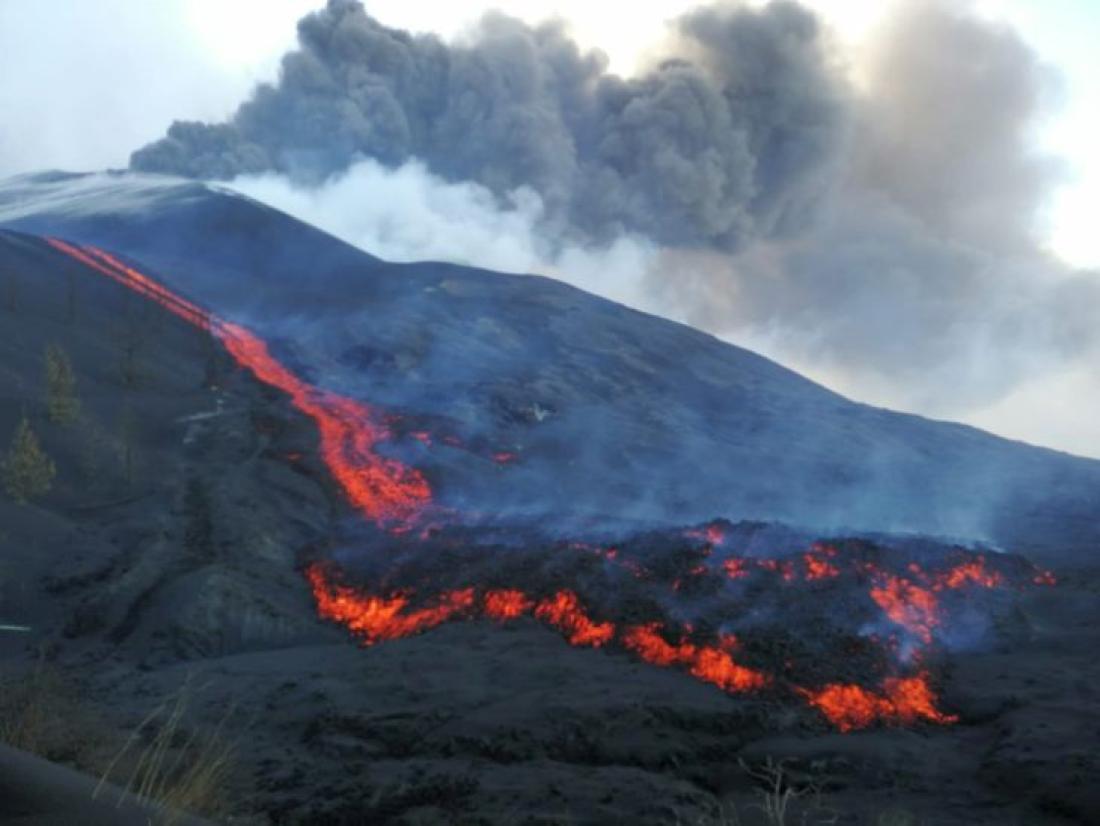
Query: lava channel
{"points": [[397, 498]]}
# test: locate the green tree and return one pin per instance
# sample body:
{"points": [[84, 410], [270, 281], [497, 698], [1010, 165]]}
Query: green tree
{"points": [[62, 403], [28, 472]]}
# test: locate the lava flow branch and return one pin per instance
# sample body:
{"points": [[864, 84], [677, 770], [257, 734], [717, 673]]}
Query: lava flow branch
{"points": [[382, 490], [904, 608]]}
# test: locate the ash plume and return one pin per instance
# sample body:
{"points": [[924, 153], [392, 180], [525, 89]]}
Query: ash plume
{"points": [[925, 278], [730, 137], [875, 228]]}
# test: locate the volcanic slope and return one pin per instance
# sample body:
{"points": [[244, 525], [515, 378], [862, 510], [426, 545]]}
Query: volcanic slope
{"points": [[135, 576], [547, 403]]}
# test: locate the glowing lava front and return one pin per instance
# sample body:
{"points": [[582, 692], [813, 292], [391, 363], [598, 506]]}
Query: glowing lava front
{"points": [[397, 498], [904, 700]]}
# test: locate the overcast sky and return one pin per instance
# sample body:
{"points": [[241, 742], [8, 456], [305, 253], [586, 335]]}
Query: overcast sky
{"points": [[85, 82]]}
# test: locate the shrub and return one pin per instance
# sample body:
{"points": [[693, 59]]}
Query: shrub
{"points": [[41, 712], [172, 768], [27, 471]]}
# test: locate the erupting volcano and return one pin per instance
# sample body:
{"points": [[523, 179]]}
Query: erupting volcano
{"points": [[684, 599], [382, 490]]}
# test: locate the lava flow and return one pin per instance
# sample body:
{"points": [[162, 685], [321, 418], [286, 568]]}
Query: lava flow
{"points": [[383, 490], [904, 700], [398, 499], [911, 601], [374, 620]]}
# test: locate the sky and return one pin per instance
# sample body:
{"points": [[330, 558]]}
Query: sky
{"points": [[209, 54], [84, 84]]}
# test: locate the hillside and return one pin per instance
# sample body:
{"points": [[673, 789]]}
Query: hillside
{"points": [[182, 551], [604, 413]]}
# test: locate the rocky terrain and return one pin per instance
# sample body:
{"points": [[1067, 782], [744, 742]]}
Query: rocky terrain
{"points": [[190, 498]]}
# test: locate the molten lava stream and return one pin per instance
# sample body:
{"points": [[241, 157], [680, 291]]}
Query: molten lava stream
{"points": [[902, 700], [905, 700], [396, 497], [913, 602], [106, 265], [383, 490]]}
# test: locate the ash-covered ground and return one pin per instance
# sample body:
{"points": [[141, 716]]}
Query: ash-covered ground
{"points": [[191, 502]]}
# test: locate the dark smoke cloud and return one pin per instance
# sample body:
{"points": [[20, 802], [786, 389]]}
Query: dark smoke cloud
{"points": [[923, 277], [949, 126], [881, 233], [733, 136]]}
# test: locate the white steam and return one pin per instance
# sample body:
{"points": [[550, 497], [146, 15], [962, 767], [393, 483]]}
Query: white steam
{"points": [[409, 214]]}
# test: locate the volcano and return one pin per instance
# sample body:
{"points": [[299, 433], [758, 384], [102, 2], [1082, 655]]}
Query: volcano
{"points": [[505, 452], [598, 411]]}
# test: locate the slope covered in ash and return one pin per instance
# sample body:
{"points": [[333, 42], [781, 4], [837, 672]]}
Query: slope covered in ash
{"points": [[169, 510], [545, 403], [190, 488]]}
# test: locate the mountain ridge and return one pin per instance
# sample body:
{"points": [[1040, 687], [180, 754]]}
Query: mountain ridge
{"points": [[606, 409]]}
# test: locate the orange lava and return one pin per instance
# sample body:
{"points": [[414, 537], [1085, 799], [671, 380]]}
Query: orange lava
{"points": [[904, 701], [1045, 578], [711, 664], [783, 567], [818, 562], [107, 265], [969, 573], [714, 534], [911, 606], [394, 496], [564, 612], [506, 604], [736, 568], [374, 619], [383, 490]]}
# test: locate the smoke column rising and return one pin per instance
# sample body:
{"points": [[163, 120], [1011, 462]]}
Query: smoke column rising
{"points": [[880, 235]]}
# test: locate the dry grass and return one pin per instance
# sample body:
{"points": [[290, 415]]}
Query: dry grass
{"points": [[780, 796], [28, 710], [174, 769], [40, 714]]}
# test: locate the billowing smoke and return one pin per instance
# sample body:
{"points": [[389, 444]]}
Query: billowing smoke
{"points": [[412, 215], [876, 228], [730, 139], [925, 279]]}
